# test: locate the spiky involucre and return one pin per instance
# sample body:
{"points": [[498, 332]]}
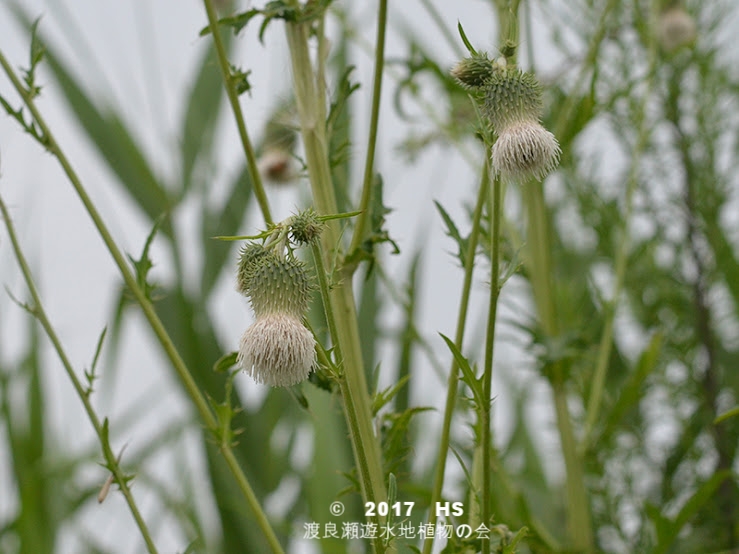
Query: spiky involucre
{"points": [[277, 350], [510, 96], [279, 285], [473, 72], [249, 258], [525, 150]]}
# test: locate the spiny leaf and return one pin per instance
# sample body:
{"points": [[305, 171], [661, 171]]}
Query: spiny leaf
{"points": [[453, 232], [468, 375], [36, 54], [144, 264]]}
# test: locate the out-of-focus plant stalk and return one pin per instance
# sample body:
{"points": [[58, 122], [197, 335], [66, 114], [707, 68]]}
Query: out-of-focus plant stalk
{"points": [[37, 310], [147, 308], [606, 341]]}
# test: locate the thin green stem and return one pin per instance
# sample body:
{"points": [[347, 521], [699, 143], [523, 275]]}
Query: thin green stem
{"points": [[233, 98], [147, 308], [37, 310], [540, 274], [494, 210], [369, 163], [341, 306], [452, 383], [624, 244]]}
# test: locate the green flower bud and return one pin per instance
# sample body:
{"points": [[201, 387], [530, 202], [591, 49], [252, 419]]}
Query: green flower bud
{"points": [[510, 96], [277, 350], [473, 72], [305, 227]]}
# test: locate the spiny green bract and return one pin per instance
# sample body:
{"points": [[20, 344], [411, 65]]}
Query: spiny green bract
{"points": [[250, 254], [473, 72], [511, 96], [305, 227], [279, 285]]}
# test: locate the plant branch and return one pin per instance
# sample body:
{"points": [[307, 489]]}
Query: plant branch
{"points": [[369, 163], [494, 211], [37, 310], [233, 99], [156, 324], [453, 381]]}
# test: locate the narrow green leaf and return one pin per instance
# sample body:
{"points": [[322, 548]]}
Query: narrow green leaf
{"points": [[454, 233], [468, 376], [465, 40], [225, 362]]}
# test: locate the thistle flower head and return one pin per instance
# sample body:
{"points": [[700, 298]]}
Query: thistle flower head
{"points": [[276, 284], [511, 96], [305, 227], [524, 150], [277, 350], [676, 29], [472, 72]]}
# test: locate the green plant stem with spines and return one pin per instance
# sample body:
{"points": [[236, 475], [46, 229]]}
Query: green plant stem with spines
{"points": [[538, 239], [494, 211], [369, 165], [341, 306], [147, 308], [233, 98], [37, 310], [453, 381]]}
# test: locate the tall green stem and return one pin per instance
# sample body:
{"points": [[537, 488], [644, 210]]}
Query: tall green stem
{"points": [[494, 211], [451, 396], [359, 231], [354, 388], [147, 308], [233, 98], [38, 311], [540, 272]]}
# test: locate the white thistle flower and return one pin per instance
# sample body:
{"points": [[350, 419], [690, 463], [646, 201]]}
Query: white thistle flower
{"points": [[676, 29], [525, 149], [277, 350]]}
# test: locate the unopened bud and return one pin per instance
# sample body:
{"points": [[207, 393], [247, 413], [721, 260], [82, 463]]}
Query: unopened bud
{"points": [[676, 29], [473, 72], [305, 227]]}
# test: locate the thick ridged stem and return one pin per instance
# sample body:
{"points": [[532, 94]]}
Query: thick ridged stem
{"points": [[354, 388]]}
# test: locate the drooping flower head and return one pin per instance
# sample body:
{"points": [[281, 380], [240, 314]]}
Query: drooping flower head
{"points": [[277, 349], [513, 105]]}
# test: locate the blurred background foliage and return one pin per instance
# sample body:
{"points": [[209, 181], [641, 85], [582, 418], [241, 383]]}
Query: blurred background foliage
{"points": [[661, 474]]}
